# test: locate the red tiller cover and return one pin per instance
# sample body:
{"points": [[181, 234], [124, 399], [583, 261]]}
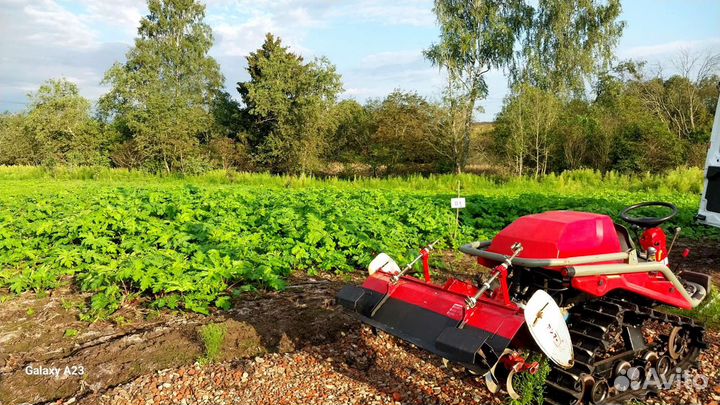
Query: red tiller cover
{"points": [[428, 316]]}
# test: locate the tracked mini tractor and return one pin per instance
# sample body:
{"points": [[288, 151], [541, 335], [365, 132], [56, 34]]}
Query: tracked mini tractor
{"points": [[570, 285]]}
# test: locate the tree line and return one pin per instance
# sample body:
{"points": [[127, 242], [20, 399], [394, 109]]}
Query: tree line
{"points": [[570, 105], [637, 121]]}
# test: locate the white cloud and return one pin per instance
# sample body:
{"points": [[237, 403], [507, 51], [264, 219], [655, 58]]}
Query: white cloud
{"points": [[401, 12], [319, 12], [670, 49], [46, 22], [122, 15], [240, 39], [240, 28], [378, 74], [43, 39]]}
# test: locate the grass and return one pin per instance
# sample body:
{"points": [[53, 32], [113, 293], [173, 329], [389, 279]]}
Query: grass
{"points": [[708, 312], [213, 336], [680, 180], [531, 387]]}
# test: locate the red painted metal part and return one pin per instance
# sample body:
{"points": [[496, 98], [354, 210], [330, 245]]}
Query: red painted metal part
{"points": [[503, 293], [426, 264], [650, 285], [515, 361], [562, 234], [655, 238], [489, 314], [559, 234]]}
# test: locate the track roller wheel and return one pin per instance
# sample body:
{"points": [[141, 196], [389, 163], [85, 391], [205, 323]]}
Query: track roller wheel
{"points": [[678, 343], [651, 360], [663, 365], [621, 369], [607, 342], [599, 391]]}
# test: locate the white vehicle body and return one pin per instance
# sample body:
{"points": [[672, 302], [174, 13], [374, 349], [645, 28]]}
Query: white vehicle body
{"points": [[710, 204]]}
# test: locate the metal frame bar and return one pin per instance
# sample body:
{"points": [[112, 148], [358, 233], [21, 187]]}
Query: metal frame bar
{"points": [[580, 266], [624, 268], [479, 249]]}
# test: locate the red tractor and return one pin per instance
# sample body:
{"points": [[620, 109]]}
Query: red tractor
{"points": [[570, 285]]}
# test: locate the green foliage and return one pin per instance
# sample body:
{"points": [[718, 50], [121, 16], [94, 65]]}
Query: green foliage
{"points": [[227, 153], [17, 146], [452, 135], [289, 104], [213, 336], [401, 133], [474, 37], [477, 36], [166, 110], [404, 124], [635, 124], [526, 127], [57, 128], [71, 333], [561, 45], [59, 120], [531, 387], [566, 43], [351, 141], [161, 97], [189, 244]]}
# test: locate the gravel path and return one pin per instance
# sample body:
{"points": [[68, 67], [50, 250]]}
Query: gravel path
{"points": [[359, 368]]}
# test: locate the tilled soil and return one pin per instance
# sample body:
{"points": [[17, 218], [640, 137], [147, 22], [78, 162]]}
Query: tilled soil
{"points": [[290, 347], [45, 332], [359, 368]]}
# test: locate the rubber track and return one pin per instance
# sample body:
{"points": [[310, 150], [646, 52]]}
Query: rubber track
{"points": [[592, 326]]}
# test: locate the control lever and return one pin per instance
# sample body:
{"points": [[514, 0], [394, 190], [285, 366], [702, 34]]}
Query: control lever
{"points": [[677, 233]]}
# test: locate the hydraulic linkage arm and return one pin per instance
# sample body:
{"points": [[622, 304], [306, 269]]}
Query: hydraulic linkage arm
{"points": [[396, 278], [497, 271]]}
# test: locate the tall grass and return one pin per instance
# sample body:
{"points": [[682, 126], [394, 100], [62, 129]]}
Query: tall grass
{"points": [[681, 180]]}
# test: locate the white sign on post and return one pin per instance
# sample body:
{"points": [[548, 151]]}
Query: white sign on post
{"points": [[457, 203]]}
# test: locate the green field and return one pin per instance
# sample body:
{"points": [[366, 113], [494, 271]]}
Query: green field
{"points": [[191, 243]]}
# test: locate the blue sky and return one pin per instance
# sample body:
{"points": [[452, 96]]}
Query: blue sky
{"points": [[375, 44]]}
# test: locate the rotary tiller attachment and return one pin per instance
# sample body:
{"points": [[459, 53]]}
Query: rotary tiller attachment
{"points": [[456, 321]]}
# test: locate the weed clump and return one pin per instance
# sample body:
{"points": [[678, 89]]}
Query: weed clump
{"points": [[213, 336]]}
